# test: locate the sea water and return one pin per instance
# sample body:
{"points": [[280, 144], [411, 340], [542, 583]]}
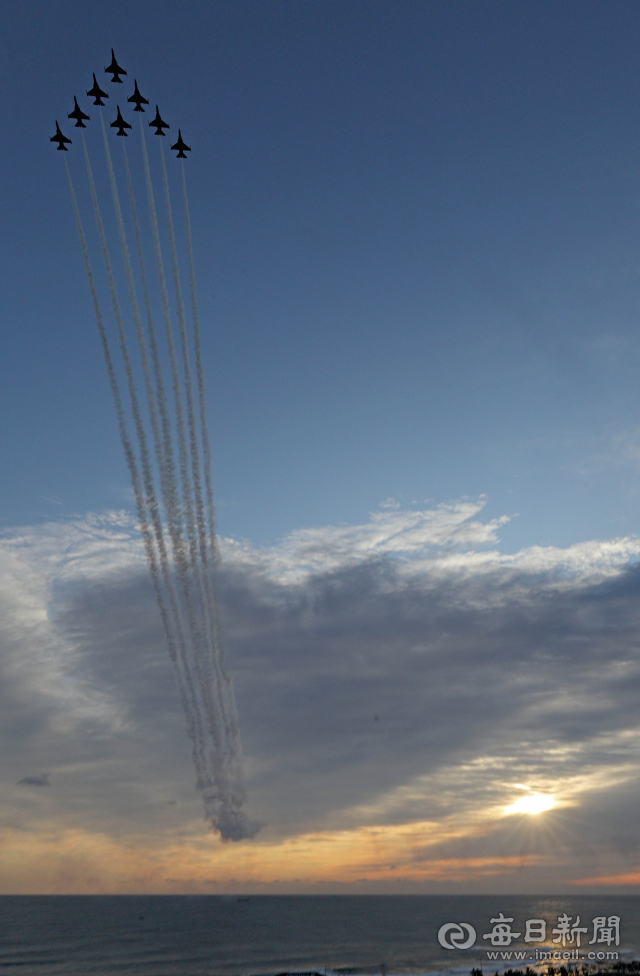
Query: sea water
{"points": [[186, 935]]}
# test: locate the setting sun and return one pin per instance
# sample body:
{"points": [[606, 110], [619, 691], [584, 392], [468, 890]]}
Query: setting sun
{"points": [[532, 803]]}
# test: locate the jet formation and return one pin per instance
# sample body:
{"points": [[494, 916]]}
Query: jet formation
{"points": [[171, 482], [137, 99]]}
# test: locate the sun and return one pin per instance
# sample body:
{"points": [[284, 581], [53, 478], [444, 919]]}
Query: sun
{"points": [[533, 804]]}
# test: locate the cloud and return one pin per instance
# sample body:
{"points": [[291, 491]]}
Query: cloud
{"points": [[430, 544], [34, 780], [389, 532], [398, 683]]}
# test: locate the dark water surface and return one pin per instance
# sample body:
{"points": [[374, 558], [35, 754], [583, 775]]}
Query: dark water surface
{"points": [[183, 935]]}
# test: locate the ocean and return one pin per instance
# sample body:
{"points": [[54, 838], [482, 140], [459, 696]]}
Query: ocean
{"points": [[185, 935]]}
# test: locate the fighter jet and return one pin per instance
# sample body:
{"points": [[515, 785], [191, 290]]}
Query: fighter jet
{"points": [[97, 92], [180, 146], [115, 69], [120, 124], [138, 99], [160, 125], [78, 115], [60, 139]]}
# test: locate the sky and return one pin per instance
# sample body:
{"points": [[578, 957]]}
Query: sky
{"points": [[416, 232]]}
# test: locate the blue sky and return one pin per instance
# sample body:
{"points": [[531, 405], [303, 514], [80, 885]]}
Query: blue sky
{"points": [[416, 233], [417, 243]]}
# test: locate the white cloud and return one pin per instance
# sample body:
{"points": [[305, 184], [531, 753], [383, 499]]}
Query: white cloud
{"points": [[428, 543]]}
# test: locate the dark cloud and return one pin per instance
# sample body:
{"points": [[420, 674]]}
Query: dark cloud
{"points": [[380, 690], [34, 780], [450, 671]]}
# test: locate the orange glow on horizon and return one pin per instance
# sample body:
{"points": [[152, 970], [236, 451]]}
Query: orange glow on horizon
{"points": [[614, 879], [80, 862]]}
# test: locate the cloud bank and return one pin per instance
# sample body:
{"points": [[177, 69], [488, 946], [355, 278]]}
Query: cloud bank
{"points": [[400, 684]]}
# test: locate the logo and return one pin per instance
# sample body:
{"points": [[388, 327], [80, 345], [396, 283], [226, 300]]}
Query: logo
{"points": [[452, 935]]}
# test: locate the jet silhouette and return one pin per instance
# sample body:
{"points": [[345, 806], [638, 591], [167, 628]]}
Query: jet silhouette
{"points": [[78, 115], [160, 125], [138, 99], [115, 69], [60, 139], [97, 92], [181, 146], [120, 124]]}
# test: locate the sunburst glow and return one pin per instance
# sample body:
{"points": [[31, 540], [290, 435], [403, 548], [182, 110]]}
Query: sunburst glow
{"points": [[533, 803]]}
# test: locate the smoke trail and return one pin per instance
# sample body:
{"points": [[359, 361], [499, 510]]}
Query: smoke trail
{"points": [[206, 456], [124, 437], [163, 442], [230, 812], [206, 451], [164, 446], [165, 451], [193, 437], [173, 363], [221, 788], [165, 457], [180, 661], [182, 446], [225, 809], [189, 614], [220, 684]]}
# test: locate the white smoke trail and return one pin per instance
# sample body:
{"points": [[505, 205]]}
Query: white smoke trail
{"points": [[126, 442], [158, 406], [167, 465], [214, 678], [231, 812], [188, 385], [220, 786], [180, 661], [189, 614], [165, 456], [227, 806], [173, 363], [206, 463], [205, 573], [206, 450], [163, 444]]}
